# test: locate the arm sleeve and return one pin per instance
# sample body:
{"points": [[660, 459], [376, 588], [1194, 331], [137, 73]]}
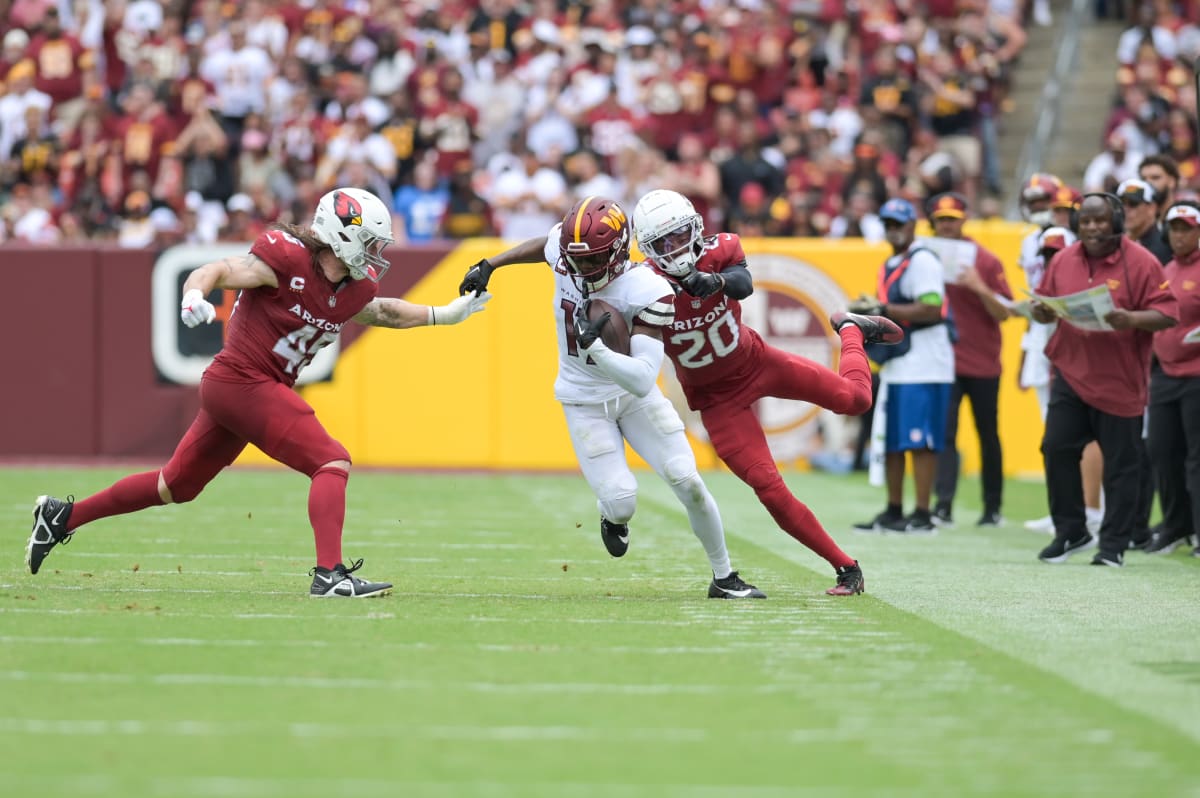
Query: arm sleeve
{"points": [[738, 283], [636, 372]]}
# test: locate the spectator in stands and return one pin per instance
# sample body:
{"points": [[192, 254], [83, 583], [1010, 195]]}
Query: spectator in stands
{"points": [[950, 103], [238, 73], [979, 298], [748, 165], [889, 98], [1115, 164], [467, 214], [21, 96], [1146, 29], [421, 206], [529, 198]]}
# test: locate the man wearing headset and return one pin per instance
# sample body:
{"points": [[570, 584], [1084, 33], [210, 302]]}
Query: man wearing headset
{"points": [[1100, 380]]}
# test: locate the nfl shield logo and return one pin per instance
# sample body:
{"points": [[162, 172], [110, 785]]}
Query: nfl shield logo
{"points": [[332, 301]]}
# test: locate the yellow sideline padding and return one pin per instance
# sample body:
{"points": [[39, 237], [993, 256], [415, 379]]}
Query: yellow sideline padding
{"points": [[480, 395]]}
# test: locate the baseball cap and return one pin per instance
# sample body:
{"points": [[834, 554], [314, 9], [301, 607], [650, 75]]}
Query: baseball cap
{"points": [[948, 206], [1134, 190], [1054, 239], [898, 210], [1185, 212]]}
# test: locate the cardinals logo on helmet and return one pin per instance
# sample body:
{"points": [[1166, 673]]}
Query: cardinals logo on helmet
{"points": [[347, 209]]}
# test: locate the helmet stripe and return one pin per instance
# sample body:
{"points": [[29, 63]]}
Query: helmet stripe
{"points": [[579, 218]]}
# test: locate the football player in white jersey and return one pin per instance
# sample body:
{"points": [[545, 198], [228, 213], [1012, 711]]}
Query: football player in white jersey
{"points": [[608, 397]]}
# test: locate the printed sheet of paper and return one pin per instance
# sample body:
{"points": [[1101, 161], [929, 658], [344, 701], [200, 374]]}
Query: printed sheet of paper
{"points": [[955, 255], [1083, 309]]}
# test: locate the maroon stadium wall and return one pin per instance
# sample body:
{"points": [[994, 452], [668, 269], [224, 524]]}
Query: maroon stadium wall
{"points": [[79, 373]]}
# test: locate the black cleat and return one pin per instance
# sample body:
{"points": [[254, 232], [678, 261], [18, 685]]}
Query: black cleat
{"points": [[919, 523], [732, 587], [990, 518], [1111, 560], [50, 517], [850, 581], [338, 582], [885, 521], [943, 516], [615, 537], [1061, 548], [1165, 542], [875, 329]]}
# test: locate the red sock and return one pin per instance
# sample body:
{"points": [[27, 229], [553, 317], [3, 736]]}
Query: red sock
{"points": [[133, 493], [327, 513], [855, 367]]}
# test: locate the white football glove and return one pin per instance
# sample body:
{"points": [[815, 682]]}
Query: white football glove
{"points": [[195, 309], [459, 310]]}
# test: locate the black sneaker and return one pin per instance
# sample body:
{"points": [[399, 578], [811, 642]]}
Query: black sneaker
{"points": [[1061, 548], [732, 587], [1165, 542], [990, 518], [1196, 552], [615, 537], [1111, 560], [875, 329], [50, 517], [881, 522], [942, 515], [1141, 540], [337, 581], [919, 523], [850, 581]]}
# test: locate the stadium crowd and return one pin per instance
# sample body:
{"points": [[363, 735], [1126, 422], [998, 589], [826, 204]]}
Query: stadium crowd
{"points": [[150, 122]]}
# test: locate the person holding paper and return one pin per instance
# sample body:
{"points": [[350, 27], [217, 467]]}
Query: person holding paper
{"points": [[1100, 379], [1175, 390], [976, 297]]}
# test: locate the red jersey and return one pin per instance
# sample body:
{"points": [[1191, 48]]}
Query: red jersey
{"points": [[977, 351], [275, 332], [1177, 358], [707, 342], [1109, 370]]}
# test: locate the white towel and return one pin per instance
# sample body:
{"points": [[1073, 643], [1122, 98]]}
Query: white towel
{"points": [[876, 454]]}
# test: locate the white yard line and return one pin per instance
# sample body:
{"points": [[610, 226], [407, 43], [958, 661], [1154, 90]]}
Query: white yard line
{"points": [[345, 683]]}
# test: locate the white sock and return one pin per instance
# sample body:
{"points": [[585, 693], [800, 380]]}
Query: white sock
{"points": [[706, 524]]}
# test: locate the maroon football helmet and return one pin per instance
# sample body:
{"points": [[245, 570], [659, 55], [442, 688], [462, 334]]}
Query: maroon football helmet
{"points": [[594, 242]]}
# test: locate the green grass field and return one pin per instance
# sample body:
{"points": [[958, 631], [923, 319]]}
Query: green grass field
{"points": [[175, 652]]}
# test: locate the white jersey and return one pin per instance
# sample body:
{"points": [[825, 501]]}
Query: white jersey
{"points": [[931, 356], [638, 293], [1030, 261]]}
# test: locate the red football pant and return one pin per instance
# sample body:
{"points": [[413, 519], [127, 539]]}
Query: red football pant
{"points": [[268, 414], [740, 442]]}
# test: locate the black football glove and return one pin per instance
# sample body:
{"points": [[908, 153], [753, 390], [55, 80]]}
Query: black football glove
{"points": [[702, 284], [587, 331], [865, 306], [477, 278]]}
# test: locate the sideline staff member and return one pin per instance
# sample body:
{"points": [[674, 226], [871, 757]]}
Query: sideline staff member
{"points": [[1100, 380]]}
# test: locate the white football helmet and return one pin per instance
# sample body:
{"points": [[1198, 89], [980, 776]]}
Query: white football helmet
{"points": [[668, 231], [357, 226]]}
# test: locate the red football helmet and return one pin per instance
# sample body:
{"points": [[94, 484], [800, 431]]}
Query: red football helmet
{"points": [[594, 242], [1036, 194]]}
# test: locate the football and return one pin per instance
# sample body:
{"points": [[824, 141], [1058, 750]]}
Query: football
{"points": [[615, 334]]}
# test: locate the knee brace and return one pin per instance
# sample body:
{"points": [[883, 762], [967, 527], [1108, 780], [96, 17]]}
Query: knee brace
{"points": [[618, 499]]}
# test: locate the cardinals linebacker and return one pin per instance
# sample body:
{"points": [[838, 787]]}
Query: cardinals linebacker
{"points": [[297, 288]]}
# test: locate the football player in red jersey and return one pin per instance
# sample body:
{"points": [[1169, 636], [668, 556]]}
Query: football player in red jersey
{"points": [[298, 287], [724, 367]]}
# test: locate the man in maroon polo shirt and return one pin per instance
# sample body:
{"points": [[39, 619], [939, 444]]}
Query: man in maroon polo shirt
{"points": [[977, 316], [1100, 380]]}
